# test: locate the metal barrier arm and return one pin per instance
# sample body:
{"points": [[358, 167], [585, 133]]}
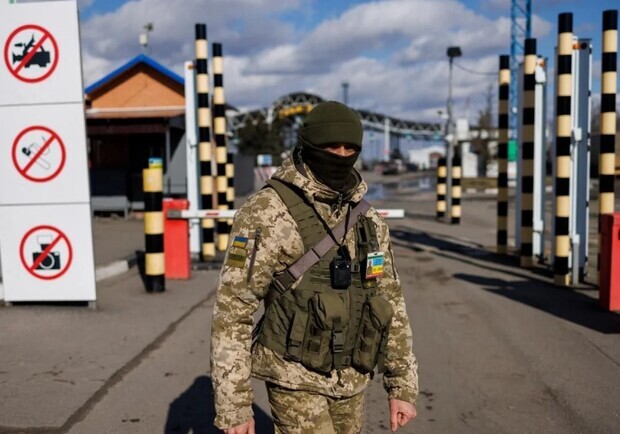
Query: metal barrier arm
{"points": [[230, 213]]}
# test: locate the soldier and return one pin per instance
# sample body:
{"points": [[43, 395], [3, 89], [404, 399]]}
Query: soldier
{"points": [[331, 319]]}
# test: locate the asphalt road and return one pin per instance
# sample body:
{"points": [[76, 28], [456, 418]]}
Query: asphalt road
{"points": [[500, 349]]}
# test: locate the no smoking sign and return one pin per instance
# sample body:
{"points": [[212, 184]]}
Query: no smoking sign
{"points": [[31, 53], [38, 154]]}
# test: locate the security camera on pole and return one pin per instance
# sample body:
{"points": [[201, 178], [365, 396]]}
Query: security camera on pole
{"points": [[450, 136]]}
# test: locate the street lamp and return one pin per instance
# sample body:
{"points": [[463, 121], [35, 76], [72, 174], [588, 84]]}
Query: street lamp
{"points": [[144, 38], [452, 52], [345, 93]]}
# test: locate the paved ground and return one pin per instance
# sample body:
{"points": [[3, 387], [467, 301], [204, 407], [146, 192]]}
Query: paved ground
{"points": [[500, 349]]}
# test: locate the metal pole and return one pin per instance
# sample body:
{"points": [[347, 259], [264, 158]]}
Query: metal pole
{"points": [[191, 146], [345, 93], [386, 140], [538, 206], [449, 145], [581, 164]]}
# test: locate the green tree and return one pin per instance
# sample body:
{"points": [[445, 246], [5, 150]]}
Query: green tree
{"points": [[259, 138]]}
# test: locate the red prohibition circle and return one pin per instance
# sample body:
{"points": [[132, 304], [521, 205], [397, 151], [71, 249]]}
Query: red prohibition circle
{"points": [[47, 35], [24, 170], [25, 262]]}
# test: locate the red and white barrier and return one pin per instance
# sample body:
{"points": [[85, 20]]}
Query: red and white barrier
{"points": [[230, 213]]}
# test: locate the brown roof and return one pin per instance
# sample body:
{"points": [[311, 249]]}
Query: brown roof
{"points": [[136, 112]]}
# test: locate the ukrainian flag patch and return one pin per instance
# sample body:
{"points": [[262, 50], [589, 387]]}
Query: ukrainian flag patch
{"points": [[240, 242]]}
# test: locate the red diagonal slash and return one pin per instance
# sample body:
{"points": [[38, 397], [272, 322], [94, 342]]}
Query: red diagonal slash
{"points": [[31, 53], [44, 254], [39, 153]]}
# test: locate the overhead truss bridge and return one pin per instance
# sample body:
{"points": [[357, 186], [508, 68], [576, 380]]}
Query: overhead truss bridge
{"points": [[292, 106]]}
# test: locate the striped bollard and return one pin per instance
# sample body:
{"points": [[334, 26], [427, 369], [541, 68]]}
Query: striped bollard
{"points": [[609, 88], [230, 191], [564, 83], [219, 129], [441, 188], [455, 209], [527, 152], [153, 184], [204, 140], [502, 154]]}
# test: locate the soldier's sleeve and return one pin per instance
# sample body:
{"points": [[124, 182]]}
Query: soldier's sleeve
{"points": [[401, 367], [241, 286]]}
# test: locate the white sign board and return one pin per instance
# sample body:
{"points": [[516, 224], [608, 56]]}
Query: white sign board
{"points": [[40, 59], [43, 155], [47, 253]]}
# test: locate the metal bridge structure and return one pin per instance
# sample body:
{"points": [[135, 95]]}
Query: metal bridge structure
{"points": [[292, 107]]}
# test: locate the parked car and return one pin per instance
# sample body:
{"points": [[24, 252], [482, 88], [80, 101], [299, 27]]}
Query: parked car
{"points": [[393, 167]]}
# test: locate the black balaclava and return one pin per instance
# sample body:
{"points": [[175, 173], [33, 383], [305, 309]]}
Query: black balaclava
{"points": [[331, 123]]}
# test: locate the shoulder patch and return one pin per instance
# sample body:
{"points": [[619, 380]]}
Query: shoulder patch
{"points": [[236, 255], [240, 242]]}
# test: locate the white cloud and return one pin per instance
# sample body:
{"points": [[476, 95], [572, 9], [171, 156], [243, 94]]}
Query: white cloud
{"points": [[392, 52]]}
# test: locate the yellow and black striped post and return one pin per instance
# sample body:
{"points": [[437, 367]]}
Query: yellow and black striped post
{"points": [[455, 209], [219, 129], [502, 154], [564, 83], [609, 88], [527, 152], [230, 191], [441, 188], [153, 184], [204, 139]]}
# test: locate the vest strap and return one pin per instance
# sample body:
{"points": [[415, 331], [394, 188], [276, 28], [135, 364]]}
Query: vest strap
{"points": [[298, 207]]}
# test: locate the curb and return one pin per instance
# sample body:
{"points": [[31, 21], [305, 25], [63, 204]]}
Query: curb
{"points": [[115, 268]]}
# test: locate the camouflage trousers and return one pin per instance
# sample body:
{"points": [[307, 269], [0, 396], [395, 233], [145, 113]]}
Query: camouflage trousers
{"points": [[299, 412]]}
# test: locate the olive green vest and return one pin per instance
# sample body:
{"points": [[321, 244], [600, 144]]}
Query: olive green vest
{"points": [[314, 324]]}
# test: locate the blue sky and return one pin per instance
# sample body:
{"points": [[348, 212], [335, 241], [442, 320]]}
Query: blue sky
{"points": [[392, 52]]}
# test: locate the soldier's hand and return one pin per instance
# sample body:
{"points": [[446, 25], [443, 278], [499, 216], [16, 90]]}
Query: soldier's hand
{"points": [[244, 428], [401, 412]]}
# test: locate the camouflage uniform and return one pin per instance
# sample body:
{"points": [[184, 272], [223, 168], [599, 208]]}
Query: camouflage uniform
{"points": [[242, 286]]}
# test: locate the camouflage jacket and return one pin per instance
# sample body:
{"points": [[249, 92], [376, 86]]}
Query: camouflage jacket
{"points": [[241, 287]]}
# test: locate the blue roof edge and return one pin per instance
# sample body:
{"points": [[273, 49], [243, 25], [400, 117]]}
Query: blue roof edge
{"points": [[141, 58]]}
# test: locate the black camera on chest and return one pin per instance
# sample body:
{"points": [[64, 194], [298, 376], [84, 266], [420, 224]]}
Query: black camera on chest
{"points": [[340, 269]]}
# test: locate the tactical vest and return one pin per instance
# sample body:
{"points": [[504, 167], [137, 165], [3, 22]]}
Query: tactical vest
{"points": [[314, 324]]}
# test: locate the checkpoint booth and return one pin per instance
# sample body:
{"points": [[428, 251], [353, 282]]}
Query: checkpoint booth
{"points": [[134, 113]]}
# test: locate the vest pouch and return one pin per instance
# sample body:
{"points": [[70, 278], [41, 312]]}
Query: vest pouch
{"points": [[324, 334], [372, 334]]}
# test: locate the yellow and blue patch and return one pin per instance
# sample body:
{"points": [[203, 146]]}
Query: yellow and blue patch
{"points": [[240, 242], [237, 253]]}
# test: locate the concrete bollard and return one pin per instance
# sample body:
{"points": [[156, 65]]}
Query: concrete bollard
{"points": [[441, 188], [153, 183], [455, 210]]}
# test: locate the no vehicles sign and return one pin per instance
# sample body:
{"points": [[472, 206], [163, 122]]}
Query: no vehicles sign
{"points": [[41, 61], [31, 53]]}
